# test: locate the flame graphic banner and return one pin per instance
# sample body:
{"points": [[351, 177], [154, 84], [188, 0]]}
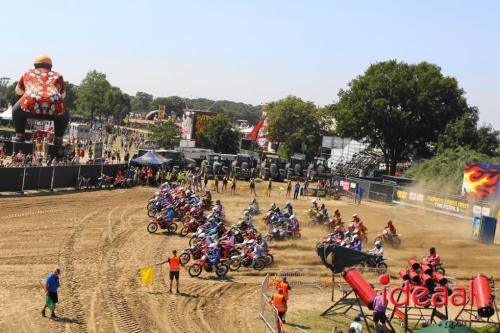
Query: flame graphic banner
{"points": [[481, 180]]}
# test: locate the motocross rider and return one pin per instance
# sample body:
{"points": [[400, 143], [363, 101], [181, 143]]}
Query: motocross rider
{"points": [[248, 218], [207, 198], [227, 241], [289, 208], [378, 250], [323, 213], [433, 257], [213, 255], [389, 229], [170, 213], [356, 243]]}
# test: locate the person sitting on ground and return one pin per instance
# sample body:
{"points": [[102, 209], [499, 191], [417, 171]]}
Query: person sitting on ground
{"points": [[42, 94]]}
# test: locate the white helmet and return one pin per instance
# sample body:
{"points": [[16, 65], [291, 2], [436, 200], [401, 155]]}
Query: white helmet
{"points": [[212, 246], [354, 215], [378, 243], [202, 235], [314, 201]]}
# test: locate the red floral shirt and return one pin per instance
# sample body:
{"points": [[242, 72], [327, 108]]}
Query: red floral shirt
{"points": [[43, 92]]}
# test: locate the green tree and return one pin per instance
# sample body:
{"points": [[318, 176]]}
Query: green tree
{"points": [[91, 94], [10, 93], [71, 94], [172, 103], [117, 104], [220, 135], [400, 109], [166, 135], [488, 141], [141, 101], [297, 124]]}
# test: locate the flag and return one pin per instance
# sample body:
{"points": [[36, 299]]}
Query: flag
{"points": [[242, 188], [266, 191], [147, 276]]}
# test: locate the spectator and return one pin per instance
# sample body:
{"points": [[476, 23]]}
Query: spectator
{"points": [[356, 325], [296, 191]]}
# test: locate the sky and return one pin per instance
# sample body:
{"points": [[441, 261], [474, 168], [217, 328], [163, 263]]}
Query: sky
{"points": [[255, 51]]}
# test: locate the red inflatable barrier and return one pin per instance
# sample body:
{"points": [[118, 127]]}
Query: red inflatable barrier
{"points": [[414, 277], [360, 286], [439, 278], [414, 264], [426, 269], [482, 296], [427, 280], [404, 274]]}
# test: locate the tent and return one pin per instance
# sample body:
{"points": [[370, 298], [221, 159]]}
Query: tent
{"points": [[150, 158], [7, 114], [447, 327]]}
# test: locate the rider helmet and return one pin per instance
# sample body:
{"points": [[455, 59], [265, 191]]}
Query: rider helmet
{"points": [[390, 222], [432, 250], [355, 216], [170, 207], [378, 244], [202, 235], [288, 204], [292, 217], [212, 246], [337, 229]]}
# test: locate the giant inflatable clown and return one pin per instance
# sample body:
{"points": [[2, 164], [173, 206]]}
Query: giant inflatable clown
{"points": [[42, 93]]}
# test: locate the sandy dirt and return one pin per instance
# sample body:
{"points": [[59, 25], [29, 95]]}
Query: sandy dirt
{"points": [[99, 240]]}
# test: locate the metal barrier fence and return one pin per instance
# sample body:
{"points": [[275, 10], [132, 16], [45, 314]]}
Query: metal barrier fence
{"points": [[268, 312], [49, 178]]}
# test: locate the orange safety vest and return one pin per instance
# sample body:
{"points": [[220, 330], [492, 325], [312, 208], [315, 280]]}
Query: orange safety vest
{"points": [[175, 263], [279, 302], [283, 286]]}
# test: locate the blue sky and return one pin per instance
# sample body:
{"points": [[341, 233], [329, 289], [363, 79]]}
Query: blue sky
{"points": [[255, 51]]}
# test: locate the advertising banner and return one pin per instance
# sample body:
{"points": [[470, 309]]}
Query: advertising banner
{"points": [[456, 205], [481, 181]]}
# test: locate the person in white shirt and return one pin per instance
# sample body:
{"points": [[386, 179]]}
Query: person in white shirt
{"points": [[356, 324]]}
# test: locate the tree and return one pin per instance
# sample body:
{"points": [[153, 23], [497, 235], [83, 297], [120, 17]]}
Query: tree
{"points": [[71, 94], [400, 109], [10, 93], [172, 103], [91, 94], [220, 136], [166, 135], [297, 124], [141, 101], [117, 104], [488, 141]]}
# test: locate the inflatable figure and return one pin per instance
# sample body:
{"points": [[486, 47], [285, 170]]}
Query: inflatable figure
{"points": [[42, 93]]}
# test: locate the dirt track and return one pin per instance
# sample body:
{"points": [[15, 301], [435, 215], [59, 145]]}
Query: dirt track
{"points": [[99, 240]]}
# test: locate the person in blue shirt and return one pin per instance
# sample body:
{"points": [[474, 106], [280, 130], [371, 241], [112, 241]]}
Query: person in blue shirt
{"points": [[359, 194], [213, 255], [51, 287], [170, 213]]}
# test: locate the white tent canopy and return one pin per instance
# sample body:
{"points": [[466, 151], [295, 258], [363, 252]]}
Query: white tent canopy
{"points": [[7, 114]]}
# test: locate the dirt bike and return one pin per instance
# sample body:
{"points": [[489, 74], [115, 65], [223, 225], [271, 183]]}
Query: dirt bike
{"points": [[161, 222], [278, 234], [104, 181], [203, 264], [375, 262], [246, 259], [189, 226], [394, 240], [195, 252], [84, 182]]}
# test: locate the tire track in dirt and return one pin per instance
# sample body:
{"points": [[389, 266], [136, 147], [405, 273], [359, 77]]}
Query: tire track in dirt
{"points": [[73, 307], [119, 308]]}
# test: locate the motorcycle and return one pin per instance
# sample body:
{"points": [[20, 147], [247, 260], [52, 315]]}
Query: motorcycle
{"points": [[104, 181], [195, 252], [189, 226], [375, 262], [203, 263], [278, 234], [394, 240], [84, 182], [246, 259], [161, 222]]}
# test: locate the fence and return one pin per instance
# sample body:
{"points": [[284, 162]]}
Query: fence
{"points": [[268, 313], [49, 178]]}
